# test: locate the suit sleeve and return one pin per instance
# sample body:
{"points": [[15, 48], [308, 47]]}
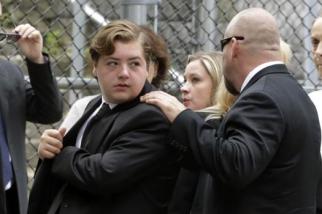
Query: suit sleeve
{"points": [[138, 152], [249, 137], [43, 100]]}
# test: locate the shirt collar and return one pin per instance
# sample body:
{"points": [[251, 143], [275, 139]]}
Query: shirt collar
{"points": [[111, 105], [257, 69]]}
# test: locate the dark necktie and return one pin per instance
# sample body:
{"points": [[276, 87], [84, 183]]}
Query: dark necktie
{"points": [[104, 109], [5, 161]]}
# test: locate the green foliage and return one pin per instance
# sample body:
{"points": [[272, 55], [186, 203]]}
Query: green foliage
{"points": [[6, 21], [53, 42]]}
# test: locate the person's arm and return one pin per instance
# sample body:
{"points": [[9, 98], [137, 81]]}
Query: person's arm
{"points": [[253, 129], [251, 133], [43, 100], [169, 104], [139, 151]]}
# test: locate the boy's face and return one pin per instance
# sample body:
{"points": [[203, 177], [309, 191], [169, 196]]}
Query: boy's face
{"points": [[121, 75]]}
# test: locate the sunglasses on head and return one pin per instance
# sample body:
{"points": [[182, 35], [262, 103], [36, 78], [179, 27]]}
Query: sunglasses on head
{"points": [[13, 37]]}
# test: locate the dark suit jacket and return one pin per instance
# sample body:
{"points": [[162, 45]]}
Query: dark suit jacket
{"points": [[21, 101], [130, 168], [194, 189], [265, 155]]}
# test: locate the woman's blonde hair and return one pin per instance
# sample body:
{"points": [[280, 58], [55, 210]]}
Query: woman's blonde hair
{"points": [[224, 101], [285, 51], [221, 99]]}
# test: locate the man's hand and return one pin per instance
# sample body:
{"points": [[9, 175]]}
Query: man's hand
{"points": [[51, 143], [169, 104], [30, 43]]}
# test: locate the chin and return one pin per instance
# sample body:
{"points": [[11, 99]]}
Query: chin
{"points": [[188, 105], [194, 108]]}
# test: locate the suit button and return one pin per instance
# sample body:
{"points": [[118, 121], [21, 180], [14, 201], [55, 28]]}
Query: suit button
{"points": [[65, 205]]}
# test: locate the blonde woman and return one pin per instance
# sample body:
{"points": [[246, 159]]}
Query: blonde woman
{"points": [[204, 92]]}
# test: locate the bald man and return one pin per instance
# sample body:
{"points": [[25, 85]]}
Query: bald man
{"points": [[264, 157]]}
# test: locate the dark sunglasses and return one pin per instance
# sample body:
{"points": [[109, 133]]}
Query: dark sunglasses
{"points": [[13, 37], [225, 41]]}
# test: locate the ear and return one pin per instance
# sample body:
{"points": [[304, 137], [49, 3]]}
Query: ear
{"points": [[235, 48], [156, 68], [94, 72]]}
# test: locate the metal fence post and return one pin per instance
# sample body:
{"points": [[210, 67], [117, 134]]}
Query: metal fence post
{"points": [[137, 10], [79, 42], [207, 38]]}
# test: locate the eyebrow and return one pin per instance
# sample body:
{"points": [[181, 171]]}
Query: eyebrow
{"points": [[193, 74], [131, 58], [135, 58]]}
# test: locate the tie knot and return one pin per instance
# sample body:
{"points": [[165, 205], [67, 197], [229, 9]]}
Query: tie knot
{"points": [[102, 111]]}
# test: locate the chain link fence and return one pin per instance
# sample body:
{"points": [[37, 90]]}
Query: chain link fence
{"points": [[186, 25]]}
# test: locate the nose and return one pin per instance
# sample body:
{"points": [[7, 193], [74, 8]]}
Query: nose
{"points": [[319, 49], [124, 72], [185, 88]]}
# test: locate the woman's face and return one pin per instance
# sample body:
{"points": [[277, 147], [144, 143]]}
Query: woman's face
{"points": [[197, 89]]}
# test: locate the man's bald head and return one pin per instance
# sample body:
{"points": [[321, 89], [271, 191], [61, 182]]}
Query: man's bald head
{"points": [[260, 44], [258, 27]]}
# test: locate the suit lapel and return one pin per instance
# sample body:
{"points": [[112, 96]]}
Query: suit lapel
{"points": [[101, 133], [71, 136], [279, 68], [274, 69]]}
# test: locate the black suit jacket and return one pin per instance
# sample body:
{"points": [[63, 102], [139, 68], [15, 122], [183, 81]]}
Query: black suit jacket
{"points": [[21, 101], [265, 155], [194, 189], [131, 169]]}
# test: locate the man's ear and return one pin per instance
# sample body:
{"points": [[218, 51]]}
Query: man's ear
{"points": [[94, 72], [234, 48]]}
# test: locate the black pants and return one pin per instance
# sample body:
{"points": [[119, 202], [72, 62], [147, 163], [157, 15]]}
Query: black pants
{"points": [[12, 200]]}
